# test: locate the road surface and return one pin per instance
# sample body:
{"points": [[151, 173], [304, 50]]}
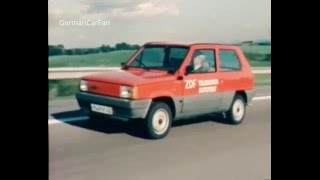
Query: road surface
{"points": [[201, 148]]}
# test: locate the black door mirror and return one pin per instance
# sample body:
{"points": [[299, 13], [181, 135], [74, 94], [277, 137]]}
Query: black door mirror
{"points": [[123, 65]]}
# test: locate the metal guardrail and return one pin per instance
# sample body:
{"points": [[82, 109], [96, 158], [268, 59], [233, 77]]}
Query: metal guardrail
{"points": [[78, 72]]}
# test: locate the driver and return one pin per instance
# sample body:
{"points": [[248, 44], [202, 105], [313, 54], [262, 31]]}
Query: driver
{"points": [[198, 62]]}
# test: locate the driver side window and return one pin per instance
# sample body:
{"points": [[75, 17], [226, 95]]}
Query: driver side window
{"points": [[203, 61]]}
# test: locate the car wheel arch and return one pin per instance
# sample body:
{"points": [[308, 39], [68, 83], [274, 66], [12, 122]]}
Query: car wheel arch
{"points": [[169, 101]]}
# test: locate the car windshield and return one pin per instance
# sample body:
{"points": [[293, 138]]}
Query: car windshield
{"points": [[160, 57]]}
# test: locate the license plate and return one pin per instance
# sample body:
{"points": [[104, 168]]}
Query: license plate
{"points": [[102, 109]]}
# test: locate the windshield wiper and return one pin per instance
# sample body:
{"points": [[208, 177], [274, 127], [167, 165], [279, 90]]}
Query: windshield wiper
{"points": [[141, 63], [169, 70]]}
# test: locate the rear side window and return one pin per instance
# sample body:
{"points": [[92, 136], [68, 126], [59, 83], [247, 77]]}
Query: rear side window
{"points": [[229, 61]]}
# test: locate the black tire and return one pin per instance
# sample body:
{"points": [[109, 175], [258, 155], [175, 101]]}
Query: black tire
{"points": [[234, 114], [165, 116]]}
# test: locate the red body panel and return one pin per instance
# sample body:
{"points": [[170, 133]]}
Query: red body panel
{"points": [[103, 88], [131, 77], [158, 83]]}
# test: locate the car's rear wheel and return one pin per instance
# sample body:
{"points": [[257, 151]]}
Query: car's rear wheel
{"points": [[158, 121], [237, 111]]}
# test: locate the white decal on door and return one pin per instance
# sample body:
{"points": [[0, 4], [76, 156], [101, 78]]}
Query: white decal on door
{"points": [[206, 86], [191, 84]]}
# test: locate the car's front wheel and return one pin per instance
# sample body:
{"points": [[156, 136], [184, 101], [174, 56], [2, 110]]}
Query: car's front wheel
{"points": [[158, 121]]}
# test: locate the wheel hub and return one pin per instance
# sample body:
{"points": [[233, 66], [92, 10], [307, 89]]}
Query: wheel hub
{"points": [[238, 110], [160, 121]]}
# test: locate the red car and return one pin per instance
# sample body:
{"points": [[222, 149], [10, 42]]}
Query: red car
{"points": [[163, 82]]}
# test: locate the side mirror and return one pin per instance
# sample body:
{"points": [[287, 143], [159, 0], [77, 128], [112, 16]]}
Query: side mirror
{"points": [[188, 70], [123, 65]]}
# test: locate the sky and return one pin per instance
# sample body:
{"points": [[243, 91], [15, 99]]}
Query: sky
{"points": [[141, 21]]}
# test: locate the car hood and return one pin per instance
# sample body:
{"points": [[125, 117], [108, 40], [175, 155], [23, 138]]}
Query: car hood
{"points": [[130, 77]]}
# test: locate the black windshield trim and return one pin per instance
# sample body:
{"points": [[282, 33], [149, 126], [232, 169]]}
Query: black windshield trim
{"points": [[162, 46]]}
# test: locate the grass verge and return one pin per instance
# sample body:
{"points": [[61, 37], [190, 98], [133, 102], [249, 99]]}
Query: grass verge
{"points": [[111, 59], [262, 79]]}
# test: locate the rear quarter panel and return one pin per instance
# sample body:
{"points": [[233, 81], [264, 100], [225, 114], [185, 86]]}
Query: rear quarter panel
{"points": [[232, 81]]}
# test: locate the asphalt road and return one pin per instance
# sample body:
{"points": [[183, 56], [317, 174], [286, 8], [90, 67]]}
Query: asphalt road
{"points": [[203, 148]]}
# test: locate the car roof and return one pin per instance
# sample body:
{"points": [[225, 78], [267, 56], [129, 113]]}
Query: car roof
{"points": [[167, 43], [189, 45]]}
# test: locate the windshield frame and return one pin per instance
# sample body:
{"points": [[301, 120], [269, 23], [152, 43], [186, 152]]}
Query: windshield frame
{"points": [[138, 53]]}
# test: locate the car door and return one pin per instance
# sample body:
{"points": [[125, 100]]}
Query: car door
{"points": [[200, 92]]}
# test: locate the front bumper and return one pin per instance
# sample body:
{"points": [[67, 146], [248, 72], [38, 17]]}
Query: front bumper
{"points": [[123, 109]]}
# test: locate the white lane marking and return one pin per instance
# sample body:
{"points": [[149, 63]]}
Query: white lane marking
{"points": [[82, 118], [261, 98], [66, 120]]}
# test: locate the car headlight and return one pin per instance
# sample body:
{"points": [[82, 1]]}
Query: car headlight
{"points": [[84, 85], [128, 92]]}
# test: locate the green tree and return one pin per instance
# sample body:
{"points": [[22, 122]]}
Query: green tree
{"points": [[122, 46], [55, 50], [105, 48]]}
